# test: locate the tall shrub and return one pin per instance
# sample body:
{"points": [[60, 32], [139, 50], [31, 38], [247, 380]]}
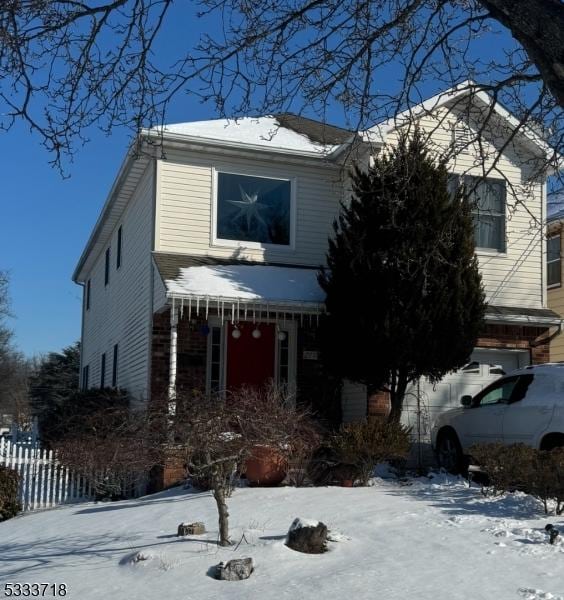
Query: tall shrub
{"points": [[404, 294]]}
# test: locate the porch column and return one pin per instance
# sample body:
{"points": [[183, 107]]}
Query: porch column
{"points": [[172, 360]]}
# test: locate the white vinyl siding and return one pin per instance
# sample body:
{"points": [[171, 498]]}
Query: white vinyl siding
{"points": [[353, 401], [120, 312], [513, 277], [184, 221]]}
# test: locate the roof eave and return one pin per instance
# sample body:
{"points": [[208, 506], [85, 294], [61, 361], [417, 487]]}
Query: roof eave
{"points": [[288, 305], [194, 139], [536, 321]]}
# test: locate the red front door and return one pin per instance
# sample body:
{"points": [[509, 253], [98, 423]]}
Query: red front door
{"points": [[250, 359]]}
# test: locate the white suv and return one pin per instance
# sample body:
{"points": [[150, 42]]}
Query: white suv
{"points": [[526, 406]]}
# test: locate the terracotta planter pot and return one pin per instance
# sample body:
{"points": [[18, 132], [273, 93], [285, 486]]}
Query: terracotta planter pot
{"points": [[266, 466], [347, 483]]}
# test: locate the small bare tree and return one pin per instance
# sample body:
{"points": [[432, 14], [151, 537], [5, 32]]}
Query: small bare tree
{"points": [[219, 433]]}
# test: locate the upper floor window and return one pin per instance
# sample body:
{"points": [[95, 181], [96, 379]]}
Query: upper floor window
{"points": [[88, 288], [107, 268], [553, 261], [253, 209], [118, 252], [488, 211]]}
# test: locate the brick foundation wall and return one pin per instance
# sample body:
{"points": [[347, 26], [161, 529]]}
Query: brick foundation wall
{"points": [[172, 472], [191, 355], [379, 405], [517, 337]]}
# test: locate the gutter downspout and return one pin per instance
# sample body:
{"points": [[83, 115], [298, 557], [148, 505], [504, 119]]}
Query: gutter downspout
{"points": [[548, 339], [172, 361], [152, 281], [543, 237]]}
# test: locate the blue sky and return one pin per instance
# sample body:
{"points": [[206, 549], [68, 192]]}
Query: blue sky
{"points": [[45, 220]]}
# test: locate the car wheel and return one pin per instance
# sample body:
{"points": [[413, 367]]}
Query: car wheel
{"points": [[449, 453], [552, 441]]}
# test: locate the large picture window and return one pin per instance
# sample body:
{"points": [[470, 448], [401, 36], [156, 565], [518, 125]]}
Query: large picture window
{"points": [[253, 209], [488, 210]]}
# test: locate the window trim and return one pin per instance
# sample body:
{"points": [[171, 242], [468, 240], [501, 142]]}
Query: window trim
{"points": [[503, 214], [88, 293], [119, 247], [107, 267], [218, 241], [552, 286]]}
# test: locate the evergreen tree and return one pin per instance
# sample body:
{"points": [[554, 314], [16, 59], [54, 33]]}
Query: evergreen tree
{"points": [[404, 294], [54, 384]]}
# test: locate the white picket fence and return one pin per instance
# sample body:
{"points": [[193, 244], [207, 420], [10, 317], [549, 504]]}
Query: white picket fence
{"points": [[44, 481]]}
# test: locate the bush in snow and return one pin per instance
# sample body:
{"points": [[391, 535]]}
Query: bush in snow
{"points": [[9, 482], [520, 467], [112, 445], [364, 444], [509, 467]]}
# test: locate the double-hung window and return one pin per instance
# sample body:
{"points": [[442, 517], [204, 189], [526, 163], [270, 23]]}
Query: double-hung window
{"points": [[88, 293], [253, 209], [488, 211], [553, 261], [107, 267], [119, 244]]}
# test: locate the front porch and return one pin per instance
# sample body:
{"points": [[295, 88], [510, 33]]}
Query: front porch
{"points": [[225, 326]]}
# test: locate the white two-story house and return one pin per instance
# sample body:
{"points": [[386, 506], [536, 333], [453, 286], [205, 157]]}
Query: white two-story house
{"points": [[200, 273]]}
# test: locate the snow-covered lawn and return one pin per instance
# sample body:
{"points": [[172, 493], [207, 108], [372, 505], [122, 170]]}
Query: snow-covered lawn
{"points": [[422, 539]]}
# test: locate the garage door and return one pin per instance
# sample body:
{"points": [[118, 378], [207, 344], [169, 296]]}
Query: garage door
{"points": [[484, 367]]}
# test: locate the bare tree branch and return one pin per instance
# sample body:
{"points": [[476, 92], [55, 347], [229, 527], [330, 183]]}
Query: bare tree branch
{"points": [[66, 66]]}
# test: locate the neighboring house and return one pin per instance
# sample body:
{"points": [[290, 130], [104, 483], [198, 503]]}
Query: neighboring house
{"points": [[554, 282], [201, 269]]}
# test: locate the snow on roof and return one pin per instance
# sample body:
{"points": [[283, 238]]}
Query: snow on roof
{"points": [[248, 283], [265, 132]]}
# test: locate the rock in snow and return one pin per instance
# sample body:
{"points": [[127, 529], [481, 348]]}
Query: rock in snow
{"points": [[196, 528], [235, 570], [307, 536]]}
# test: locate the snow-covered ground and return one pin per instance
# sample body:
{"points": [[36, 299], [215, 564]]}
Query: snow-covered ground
{"points": [[426, 539]]}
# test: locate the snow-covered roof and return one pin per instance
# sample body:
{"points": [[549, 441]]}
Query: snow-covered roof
{"points": [[250, 284], [267, 132]]}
